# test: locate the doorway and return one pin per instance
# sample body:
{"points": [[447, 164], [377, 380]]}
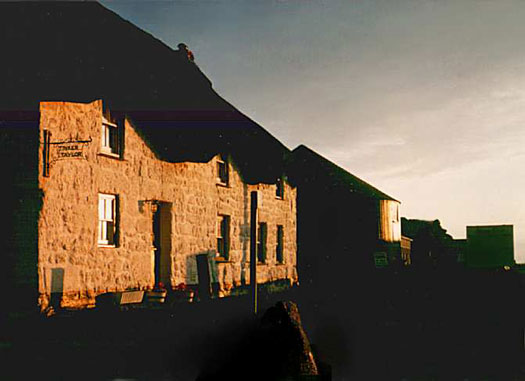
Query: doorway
{"points": [[161, 224]]}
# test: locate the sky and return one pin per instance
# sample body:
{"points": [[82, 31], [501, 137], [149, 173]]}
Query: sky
{"points": [[423, 99]]}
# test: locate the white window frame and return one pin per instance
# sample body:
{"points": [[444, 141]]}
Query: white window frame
{"points": [[220, 181], [109, 146], [107, 221]]}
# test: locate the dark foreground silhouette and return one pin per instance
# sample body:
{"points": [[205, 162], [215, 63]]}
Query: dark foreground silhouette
{"points": [[467, 325]]}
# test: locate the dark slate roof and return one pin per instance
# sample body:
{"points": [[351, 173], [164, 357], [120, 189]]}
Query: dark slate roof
{"points": [[81, 51], [307, 168], [179, 137]]}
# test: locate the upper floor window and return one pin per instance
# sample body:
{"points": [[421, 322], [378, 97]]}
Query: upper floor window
{"points": [[107, 219], [261, 242], [223, 237], [110, 138], [279, 188], [222, 172], [279, 247], [395, 216]]}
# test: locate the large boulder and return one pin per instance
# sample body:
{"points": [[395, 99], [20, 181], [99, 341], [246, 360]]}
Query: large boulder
{"points": [[276, 348]]}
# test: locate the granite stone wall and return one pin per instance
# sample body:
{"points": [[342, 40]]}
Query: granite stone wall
{"points": [[72, 264]]}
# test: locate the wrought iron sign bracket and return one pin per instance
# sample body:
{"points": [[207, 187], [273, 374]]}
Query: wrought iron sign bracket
{"points": [[65, 149]]}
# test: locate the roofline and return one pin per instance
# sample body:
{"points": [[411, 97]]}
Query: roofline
{"points": [[308, 149]]}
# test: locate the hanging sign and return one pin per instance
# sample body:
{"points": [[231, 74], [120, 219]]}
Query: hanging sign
{"points": [[62, 150], [69, 149]]}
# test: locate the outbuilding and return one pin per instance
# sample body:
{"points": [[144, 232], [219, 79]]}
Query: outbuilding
{"points": [[346, 226]]}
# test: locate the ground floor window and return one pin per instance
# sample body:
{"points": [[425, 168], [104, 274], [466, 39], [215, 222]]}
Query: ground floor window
{"points": [[223, 236], [279, 247], [107, 219], [261, 242]]}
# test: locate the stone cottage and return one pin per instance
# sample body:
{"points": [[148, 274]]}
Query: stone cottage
{"points": [[114, 213]]}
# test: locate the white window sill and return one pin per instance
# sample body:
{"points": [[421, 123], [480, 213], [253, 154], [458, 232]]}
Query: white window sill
{"points": [[224, 185], [106, 245], [109, 154]]}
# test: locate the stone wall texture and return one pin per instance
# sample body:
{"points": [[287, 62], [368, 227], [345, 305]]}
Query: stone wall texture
{"points": [[70, 260]]}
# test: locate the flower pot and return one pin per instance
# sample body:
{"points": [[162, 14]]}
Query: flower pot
{"points": [[156, 296]]}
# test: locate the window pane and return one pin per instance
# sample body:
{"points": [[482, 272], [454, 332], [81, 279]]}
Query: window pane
{"points": [[261, 242], [110, 226], [279, 188], [226, 237], [279, 244], [219, 226], [113, 139], [103, 136], [103, 232], [107, 228], [222, 169], [223, 232], [220, 247], [100, 207], [223, 227], [109, 209]]}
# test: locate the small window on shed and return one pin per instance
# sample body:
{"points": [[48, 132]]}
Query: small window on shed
{"points": [[222, 172]]}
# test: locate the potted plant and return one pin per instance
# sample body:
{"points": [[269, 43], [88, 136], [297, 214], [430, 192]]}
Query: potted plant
{"points": [[158, 294], [183, 293]]}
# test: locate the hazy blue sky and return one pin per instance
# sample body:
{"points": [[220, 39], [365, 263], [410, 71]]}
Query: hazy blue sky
{"points": [[423, 99]]}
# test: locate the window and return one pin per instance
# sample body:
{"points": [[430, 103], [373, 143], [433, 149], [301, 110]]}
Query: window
{"points": [[222, 172], [395, 217], [261, 242], [279, 188], [107, 221], [223, 237], [279, 247], [110, 138]]}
